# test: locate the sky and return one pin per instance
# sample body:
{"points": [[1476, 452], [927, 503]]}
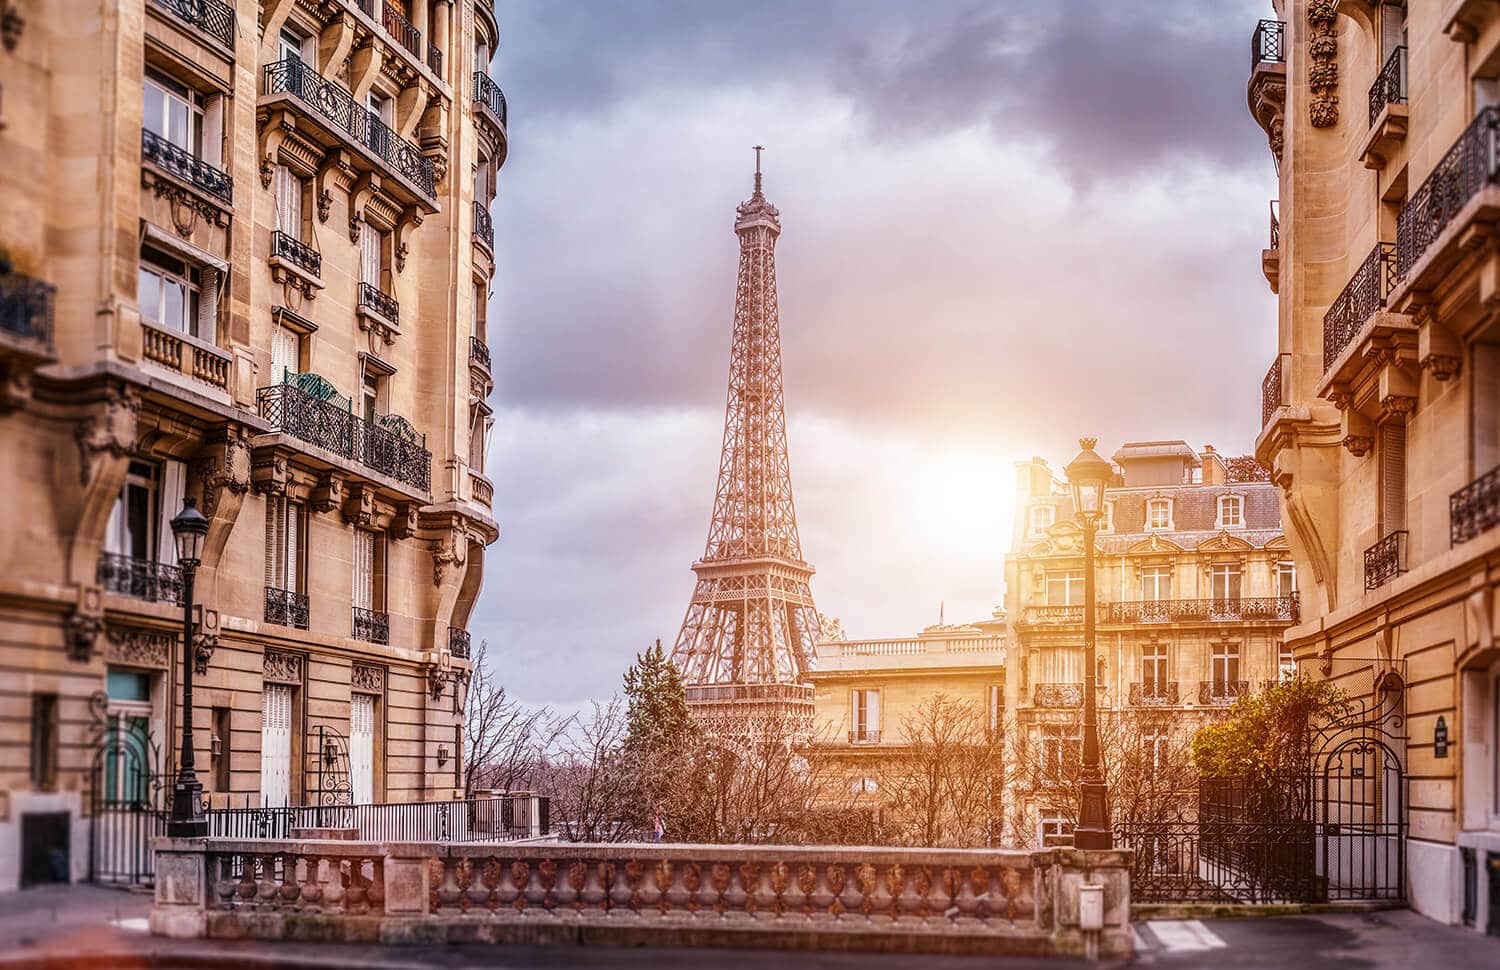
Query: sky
{"points": [[1005, 225]]}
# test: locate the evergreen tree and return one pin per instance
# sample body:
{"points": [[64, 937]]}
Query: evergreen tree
{"points": [[657, 716]]}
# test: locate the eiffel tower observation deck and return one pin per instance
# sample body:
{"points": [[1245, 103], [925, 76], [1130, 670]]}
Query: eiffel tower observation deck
{"points": [[748, 635]]}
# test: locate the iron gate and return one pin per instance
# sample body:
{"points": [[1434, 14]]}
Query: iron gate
{"points": [[127, 805]]}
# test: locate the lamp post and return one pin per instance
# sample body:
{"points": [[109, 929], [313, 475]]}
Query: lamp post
{"points": [[187, 821], [1089, 476]]}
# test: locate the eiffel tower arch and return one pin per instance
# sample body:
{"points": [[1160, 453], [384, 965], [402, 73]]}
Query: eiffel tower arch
{"points": [[749, 632]]}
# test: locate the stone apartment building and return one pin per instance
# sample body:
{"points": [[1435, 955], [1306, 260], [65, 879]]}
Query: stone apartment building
{"points": [[864, 691], [245, 250], [1381, 409], [1195, 586]]}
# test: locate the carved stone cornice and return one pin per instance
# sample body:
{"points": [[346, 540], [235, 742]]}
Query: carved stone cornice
{"points": [[185, 205], [1358, 445], [282, 668], [359, 505], [268, 471], [328, 494], [404, 523], [224, 466], [139, 646], [366, 679]]}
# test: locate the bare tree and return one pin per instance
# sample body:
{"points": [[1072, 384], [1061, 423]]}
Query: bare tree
{"points": [[593, 781], [504, 741], [942, 786]]}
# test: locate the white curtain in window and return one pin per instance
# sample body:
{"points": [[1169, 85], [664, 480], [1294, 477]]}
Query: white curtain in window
{"points": [[276, 745], [362, 748], [288, 202], [285, 354], [364, 569], [173, 487], [369, 255]]}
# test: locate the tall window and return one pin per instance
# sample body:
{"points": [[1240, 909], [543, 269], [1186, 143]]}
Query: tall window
{"points": [[285, 522], [1159, 514], [1154, 670], [286, 353], [293, 46], [1286, 664], [174, 112], [44, 741], [276, 745], [1286, 578], [369, 396], [1231, 512], [481, 331], [480, 424], [290, 190], [170, 292], [362, 748], [129, 739], [1392, 455], [1065, 588], [369, 570], [1224, 583], [152, 494], [1224, 666], [1109, 517], [1041, 519], [1061, 750], [372, 250], [865, 714], [1156, 583]]}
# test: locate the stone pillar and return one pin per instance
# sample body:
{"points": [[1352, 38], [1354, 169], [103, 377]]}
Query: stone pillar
{"points": [[440, 34], [181, 906], [1072, 868], [419, 21], [408, 880]]}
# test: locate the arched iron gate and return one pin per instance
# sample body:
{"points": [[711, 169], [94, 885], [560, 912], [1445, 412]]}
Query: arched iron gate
{"points": [[127, 804]]}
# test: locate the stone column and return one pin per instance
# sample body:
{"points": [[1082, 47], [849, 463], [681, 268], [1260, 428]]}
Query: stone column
{"points": [[419, 21], [440, 35], [181, 907], [1072, 868]]}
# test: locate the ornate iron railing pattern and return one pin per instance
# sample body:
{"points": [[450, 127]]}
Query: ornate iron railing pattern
{"points": [[400, 29], [372, 626], [489, 93], [497, 819], [25, 304], [1222, 691], [296, 252], [1057, 695], [435, 59], [286, 608], [1162, 693], [866, 736], [143, 579], [1275, 224], [215, 19], [388, 446], [1475, 508], [479, 353], [382, 303], [185, 165], [1472, 163], [1365, 293], [1390, 84], [1270, 392], [1243, 608], [336, 106], [1385, 560], [1267, 44], [484, 227], [458, 642]]}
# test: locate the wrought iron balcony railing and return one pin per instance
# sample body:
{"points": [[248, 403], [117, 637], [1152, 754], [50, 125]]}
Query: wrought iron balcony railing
{"points": [[1275, 224], [1267, 44], [1390, 84], [296, 252], [866, 736], [286, 608], [487, 92], [310, 409], [183, 164], [484, 227], [1385, 560], [25, 305], [1270, 392], [435, 59], [372, 626], [215, 19], [458, 642], [333, 104], [1475, 508], [1162, 693], [1365, 293], [1218, 609], [368, 7], [1057, 695], [1472, 163], [1222, 691], [479, 353], [143, 579], [400, 29], [382, 303]]}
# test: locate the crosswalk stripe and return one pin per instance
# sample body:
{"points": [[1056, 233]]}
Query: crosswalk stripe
{"points": [[1184, 936]]}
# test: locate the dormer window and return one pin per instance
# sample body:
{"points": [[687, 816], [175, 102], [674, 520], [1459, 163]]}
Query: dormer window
{"points": [[1231, 512], [1108, 525], [1159, 514], [1042, 517]]}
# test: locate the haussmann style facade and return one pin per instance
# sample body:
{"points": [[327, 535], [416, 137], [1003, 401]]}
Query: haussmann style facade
{"points": [[244, 255], [1381, 409]]}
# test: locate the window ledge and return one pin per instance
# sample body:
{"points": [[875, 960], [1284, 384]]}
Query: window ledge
{"points": [[286, 271], [1385, 137]]}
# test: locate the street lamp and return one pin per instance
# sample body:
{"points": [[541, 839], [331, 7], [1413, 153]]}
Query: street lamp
{"points": [[1089, 475], [187, 821]]}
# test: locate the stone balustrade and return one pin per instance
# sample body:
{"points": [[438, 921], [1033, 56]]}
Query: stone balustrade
{"points": [[1003, 901]]}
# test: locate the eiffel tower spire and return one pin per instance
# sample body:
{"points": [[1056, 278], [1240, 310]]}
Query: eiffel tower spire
{"points": [[749, 631]]}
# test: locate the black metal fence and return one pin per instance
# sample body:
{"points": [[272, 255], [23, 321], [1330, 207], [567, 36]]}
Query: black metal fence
{"points": [[1366, 292], [1390, 84], [400, 29], [1472, 163], [1475, 508], [143, 579], [502, 818], [1385, 560], [484, 227], [479, 353], [1268, 43], [372, 626], [488, 93], [381, 302], [388, 446], [458, 642], [286, 608], [215, 19], [25, 304], [295, 251], [183, 164]]}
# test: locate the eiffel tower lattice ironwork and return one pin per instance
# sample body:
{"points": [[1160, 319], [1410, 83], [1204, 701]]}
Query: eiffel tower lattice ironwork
{"points": [[750, 628]]}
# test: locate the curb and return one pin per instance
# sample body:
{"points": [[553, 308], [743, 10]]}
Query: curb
{"points": [[1147, 911]]}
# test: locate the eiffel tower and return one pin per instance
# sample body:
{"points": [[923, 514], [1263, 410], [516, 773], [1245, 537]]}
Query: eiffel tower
{"points": [[749, 631]]}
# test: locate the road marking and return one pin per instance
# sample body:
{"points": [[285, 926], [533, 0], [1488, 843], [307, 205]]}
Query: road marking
{"points": [[134, 924], [1184, 936]]}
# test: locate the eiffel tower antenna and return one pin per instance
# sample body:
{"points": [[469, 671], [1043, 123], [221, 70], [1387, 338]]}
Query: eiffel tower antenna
{"points": [[749, 632]]}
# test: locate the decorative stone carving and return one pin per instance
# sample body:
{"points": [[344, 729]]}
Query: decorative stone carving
{"points": [[404, 524], [186, 207], [204, 645], [268, 472], [82, 632], [111, 431], [336, 171], [359, 505], [225, 466], [139, 646], [1323, 71], [449, 554], [1440, 366], [1398, 405], [328, 494], [1359, 445], [365, 679], [282, 668]]}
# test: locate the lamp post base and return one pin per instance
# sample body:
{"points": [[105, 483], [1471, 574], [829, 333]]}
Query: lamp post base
{"points": [[1093, 830], [187, 821]]}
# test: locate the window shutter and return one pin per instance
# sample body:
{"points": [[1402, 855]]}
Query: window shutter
{"points": [[213, 130], [362, 748], [283, 185], [291, 574], [872, 712], [173, 486], [276, 745], [364, 567], [369, 254], [1392, 477], [284, 354], [208, 305], [856, 715], [275, 541]]}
